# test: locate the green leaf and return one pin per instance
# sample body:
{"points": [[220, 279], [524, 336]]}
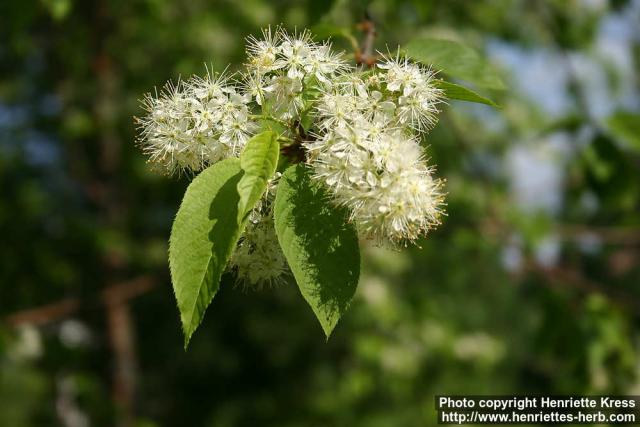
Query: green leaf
{"points": [[454, 59], [209, 223], [625, 126], [203, 237], [454, 91], [258, 161], [320, 245]]}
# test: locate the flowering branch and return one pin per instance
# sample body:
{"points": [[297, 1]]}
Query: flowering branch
{"points": [[358, 130]]}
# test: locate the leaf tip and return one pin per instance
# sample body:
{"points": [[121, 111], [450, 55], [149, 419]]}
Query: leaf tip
{"points": [[327, 326], [187, 339]]}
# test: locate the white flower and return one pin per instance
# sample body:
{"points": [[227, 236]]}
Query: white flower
{"points": [[210, 87], [262, 53], [418, 109], [323, 63], [336, 108], [379, 108], [236, 130], [284, 96], [401, 74], [418, 97], [352, 83], [296, 53], [254, 85], [205, 115]]}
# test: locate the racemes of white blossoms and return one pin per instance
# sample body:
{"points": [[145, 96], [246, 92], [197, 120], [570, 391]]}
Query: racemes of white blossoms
{"points": [[192, 124], [359, 129], [258, 260], [367, 149]]}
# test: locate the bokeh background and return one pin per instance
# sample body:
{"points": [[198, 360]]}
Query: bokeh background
{"points": [[532, 284]]}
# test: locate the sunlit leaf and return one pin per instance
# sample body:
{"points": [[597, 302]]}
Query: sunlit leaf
{"points": [[454, 91], [258, 161], [455, 60], [209, 223], [203, 236]]}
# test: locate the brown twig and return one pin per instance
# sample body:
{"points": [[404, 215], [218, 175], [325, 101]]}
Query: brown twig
{"points": [[122, 339], [365, 55], [62, 309], [45, 314]]}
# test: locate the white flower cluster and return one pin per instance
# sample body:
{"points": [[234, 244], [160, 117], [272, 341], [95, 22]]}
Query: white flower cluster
{"points": [[258, 260], [282, 66], [359, 131], [195, 123], [367, 149], [381, 176]]}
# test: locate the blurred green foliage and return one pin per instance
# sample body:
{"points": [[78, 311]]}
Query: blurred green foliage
{"points": [[530, 286]]}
